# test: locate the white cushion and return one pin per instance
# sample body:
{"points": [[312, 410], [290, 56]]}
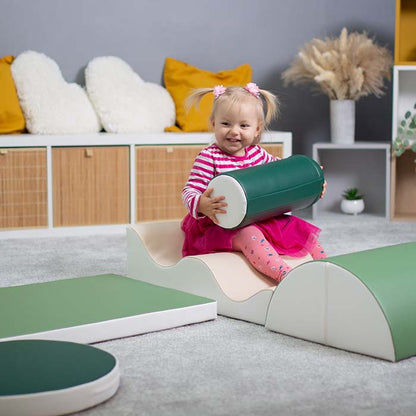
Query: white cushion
{"points": [[50, 105], [123, 101]]}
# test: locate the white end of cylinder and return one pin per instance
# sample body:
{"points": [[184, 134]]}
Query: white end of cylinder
{"points": [[235, 197]]}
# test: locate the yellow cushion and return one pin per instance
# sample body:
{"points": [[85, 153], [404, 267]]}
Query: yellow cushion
{"points": [[180, 79], [11, 116]]}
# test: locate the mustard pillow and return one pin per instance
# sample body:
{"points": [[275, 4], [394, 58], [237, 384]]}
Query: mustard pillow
{"points": [[181, 78], [11, 116]]}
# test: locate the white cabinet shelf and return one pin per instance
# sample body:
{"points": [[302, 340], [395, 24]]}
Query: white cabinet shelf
{"points": [[363, 165], [56, 176]]}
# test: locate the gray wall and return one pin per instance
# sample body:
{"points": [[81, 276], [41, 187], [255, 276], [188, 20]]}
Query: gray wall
{"points": [[209, 34]]}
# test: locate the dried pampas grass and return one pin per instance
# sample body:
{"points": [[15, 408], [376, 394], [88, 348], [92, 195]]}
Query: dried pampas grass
{"points": [[345, 68]]}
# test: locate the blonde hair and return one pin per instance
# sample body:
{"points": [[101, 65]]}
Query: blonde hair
{"points": [[267, 103]]}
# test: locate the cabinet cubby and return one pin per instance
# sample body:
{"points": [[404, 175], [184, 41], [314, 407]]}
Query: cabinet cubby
{"points": [[361, 165], [23, 188], [161, 173], [403, 190], [403, 175], [90, 185], [405, 40]]}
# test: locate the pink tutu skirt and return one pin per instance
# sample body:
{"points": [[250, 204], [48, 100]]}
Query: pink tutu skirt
{"points": [[289, 235]]}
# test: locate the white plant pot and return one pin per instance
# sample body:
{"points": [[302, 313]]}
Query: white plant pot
{"points": [[354, 207], [342, 121]]}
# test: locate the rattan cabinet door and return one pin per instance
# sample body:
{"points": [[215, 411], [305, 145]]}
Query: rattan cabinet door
{"points": [[161, 174], [23, 188], [275, 149], [90, 185]]}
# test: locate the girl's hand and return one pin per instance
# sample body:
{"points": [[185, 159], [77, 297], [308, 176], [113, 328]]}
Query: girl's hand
{"points": [[323, 190], [210, 206], [324, 187]]}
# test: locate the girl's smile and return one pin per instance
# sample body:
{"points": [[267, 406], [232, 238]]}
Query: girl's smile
{"points": [[236, 128]]}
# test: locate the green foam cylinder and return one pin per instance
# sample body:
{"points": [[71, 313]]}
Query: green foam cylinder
{"points": [[261, 192]]}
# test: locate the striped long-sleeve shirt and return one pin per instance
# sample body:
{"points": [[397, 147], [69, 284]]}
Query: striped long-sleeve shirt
{"points": [[212, 161]]}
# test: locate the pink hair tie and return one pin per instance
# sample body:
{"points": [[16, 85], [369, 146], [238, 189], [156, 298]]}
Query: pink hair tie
{"points": [[253, 89], [218, 90]]}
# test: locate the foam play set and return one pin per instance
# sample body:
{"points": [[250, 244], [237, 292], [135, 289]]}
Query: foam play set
{"points": [[362, 302]]}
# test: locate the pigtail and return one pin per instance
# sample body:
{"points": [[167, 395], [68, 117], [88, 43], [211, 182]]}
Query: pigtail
{"points": [[194, 99], [271, 105], [268, 102]]}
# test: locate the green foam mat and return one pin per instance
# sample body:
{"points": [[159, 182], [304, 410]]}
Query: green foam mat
{"points": [[96, 308]]}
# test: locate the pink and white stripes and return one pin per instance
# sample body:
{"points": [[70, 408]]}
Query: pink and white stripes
{"points": [[212, 161]]}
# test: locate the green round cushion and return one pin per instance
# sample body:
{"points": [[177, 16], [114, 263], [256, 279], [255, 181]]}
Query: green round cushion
{"points": [[40, 377]]}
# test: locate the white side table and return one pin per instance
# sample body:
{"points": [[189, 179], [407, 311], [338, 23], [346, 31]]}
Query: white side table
{"points": [[362, 165]]}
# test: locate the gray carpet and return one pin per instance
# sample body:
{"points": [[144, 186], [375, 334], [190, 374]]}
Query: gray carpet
{"points": [[226, 366]]}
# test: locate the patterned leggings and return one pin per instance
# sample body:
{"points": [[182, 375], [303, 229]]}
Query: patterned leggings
{"points": [[262, 255]]}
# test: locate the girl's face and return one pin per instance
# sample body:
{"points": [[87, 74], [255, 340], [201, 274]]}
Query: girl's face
{"points": [[236, 127]]}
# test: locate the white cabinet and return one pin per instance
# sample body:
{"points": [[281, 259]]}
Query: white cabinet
{"points": [[100, 178]]}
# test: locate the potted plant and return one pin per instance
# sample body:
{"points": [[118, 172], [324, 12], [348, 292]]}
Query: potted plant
{"points": [[352, 202], [406, 133], [344, 68]]}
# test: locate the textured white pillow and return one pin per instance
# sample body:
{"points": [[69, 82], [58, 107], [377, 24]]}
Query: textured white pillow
{"points": [[50, 105], [123, 101]]}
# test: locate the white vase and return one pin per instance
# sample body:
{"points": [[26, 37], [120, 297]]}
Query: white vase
{"points": [[342, 121], [354, 207]]}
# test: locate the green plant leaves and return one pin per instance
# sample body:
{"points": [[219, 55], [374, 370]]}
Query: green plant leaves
{"points": [[406, 132], [351, 194]]}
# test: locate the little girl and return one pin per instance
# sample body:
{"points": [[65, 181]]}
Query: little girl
{"points": [[238, 118]]}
